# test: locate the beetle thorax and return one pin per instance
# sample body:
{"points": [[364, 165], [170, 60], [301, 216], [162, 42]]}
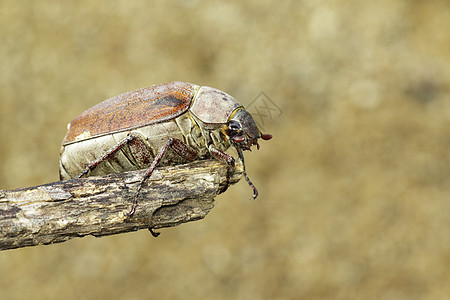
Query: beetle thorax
{"points": [[211, 134], [211, 109]]}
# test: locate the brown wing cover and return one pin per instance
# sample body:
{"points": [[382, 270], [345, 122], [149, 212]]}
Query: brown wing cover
{"points": [[138, 108]]}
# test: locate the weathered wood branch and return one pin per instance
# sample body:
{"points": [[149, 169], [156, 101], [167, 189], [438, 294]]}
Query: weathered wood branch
{"points": [[58, 211]]}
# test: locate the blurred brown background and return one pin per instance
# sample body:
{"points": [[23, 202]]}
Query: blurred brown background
{"points": [[354, 185]]}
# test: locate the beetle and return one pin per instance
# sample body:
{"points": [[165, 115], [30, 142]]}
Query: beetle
{"points": [[163, 124]]}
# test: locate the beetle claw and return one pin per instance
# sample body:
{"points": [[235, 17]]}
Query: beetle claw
{"points": [[155, 234]]}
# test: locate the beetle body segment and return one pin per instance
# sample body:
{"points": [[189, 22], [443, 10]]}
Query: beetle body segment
{"points": [[213, 106], [131, 110]]}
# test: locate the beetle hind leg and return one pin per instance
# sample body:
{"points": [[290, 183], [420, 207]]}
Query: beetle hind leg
{"points": [[93, 164]]}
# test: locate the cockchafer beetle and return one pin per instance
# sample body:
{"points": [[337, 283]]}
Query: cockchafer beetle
{"points": [[163, 124]]}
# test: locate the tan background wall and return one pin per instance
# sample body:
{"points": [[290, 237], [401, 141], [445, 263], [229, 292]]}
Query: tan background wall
{"points": [[354, 185]]}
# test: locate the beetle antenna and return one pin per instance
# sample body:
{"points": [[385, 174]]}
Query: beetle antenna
{"points": [[241, 157]]}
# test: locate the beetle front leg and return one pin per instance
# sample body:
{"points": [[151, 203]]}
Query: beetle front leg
{"points": [[180, 148], [225, 157]]}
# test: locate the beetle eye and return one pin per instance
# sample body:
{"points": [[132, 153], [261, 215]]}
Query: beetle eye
{"points": [[234, 126], [233, 129]]}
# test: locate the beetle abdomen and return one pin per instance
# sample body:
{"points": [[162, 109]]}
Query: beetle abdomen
{"points": [[134, 109], [150, 139]]}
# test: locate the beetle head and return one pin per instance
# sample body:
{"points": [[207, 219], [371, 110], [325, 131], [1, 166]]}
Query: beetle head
{"points": [[242, 132]]}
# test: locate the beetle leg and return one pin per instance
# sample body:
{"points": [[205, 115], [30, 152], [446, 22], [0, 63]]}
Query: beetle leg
{"points": [[225, 157], [180, 148], [183, 150], [93, 164]]}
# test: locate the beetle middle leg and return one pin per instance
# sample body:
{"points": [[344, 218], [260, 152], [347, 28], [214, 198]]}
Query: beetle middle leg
{"points": [[180, 148]]}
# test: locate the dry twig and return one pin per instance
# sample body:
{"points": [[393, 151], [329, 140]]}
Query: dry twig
{"points": [[58, 211]]}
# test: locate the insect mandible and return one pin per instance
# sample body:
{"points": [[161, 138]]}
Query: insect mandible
{"points": [[169, 123]]}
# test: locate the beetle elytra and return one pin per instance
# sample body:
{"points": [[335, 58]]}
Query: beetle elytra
{"points": [[163, 124]]}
